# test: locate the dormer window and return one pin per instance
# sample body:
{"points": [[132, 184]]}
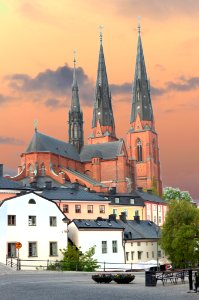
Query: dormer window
{"points": [[117, 200], [31, 201]]}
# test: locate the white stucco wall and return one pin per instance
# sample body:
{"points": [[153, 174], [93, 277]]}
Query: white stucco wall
{"points": [[89, 238], [42, 233]]}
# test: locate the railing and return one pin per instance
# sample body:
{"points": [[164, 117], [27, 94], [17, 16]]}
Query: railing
{"points": [[13, 263]]}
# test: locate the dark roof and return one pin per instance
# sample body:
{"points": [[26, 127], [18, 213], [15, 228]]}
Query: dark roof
{"points": [[71, 194], [125, 199], [41, 182], [107, 150], [9, 184], [43, 143], [105, 224], [135, 230], [150, 197]]}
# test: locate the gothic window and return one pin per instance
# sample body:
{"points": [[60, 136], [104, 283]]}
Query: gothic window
{"points": [[154, 152], [139, 150], [30, 170], [43, 170]]}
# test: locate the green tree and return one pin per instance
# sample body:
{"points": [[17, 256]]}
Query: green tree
{"points": [[170, 193], [180, 233], [75, 260]]}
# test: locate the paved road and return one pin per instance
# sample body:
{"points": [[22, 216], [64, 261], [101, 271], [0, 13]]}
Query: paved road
{"points": [[45, 285]]}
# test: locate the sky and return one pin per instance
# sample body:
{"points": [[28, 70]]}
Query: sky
{"points": [[37, 41]]}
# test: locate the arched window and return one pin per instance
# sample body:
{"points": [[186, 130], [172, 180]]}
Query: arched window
{"points": [[43, 170], [154, 152], [139, 150], [30, 170], [32, 201]]}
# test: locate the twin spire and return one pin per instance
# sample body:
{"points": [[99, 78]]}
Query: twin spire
{"points": [[103, 125]]}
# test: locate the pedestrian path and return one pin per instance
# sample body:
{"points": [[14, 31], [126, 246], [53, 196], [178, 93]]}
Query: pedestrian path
{"points": [[6, 269]]}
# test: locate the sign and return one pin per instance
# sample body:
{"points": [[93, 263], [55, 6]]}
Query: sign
{"points": [[18, 245]]}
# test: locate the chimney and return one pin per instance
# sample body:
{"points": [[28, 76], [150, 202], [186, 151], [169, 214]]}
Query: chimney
{"points": [[48, 185], [123, 217], [75, 186], [1, 170], [112, 217], [137, 219], [112, 190], [140, 189], [149, 191], [33, 184]]}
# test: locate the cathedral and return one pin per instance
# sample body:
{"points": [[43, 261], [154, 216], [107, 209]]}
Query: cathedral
{"points": [[105, 161]]}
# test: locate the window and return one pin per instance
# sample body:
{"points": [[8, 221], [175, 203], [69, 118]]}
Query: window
{"points": [[65, 208], [53, 221], [139, 150], [53, 249], [127, 256], [11, 250], [154, 207], [117, 200], [126, 212], [132, 201], [131, 244], [115, 211], [104, 246], [30, 170], [154, 152], [159, 208], [136, 213], [32, 249], [114, 246], [139, 254], [90, 209], [43, 170], [132, 255], [31, 201], [152, 254], [138, 243], [159, 253], [159, 219], [147, 254], [154, 219], [11, 220], [32, 220], [102, 209], [78, 209]]}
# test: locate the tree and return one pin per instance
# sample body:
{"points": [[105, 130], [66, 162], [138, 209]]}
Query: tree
{"points": [[75, 260], [170, 193], [180, 233]]}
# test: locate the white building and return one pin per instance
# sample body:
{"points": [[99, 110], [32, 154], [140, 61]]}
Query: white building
{"points": [[105, 235], [37, 223]]}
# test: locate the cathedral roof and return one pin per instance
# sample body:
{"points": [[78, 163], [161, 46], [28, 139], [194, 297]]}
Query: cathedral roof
{"points": [[43, 143], [108, 150]]}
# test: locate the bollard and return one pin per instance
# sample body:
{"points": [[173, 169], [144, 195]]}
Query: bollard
{"points": [[190, 280]]}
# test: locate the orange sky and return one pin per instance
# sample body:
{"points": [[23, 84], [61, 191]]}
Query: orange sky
{"points": [[37, 40]]}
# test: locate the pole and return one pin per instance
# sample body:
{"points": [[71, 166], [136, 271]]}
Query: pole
{"points": [[157, 238]]}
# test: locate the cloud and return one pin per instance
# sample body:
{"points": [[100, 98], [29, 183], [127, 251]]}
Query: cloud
{"points": [[54, 103], [121, 88], [155, 8], [5, 140], [4, 99], [183, 85]]}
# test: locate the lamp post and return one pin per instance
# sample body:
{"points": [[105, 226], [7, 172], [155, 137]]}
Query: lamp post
{"points": [[157, 232]]}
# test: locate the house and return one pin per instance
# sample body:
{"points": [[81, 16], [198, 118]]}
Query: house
{"points": [[146, 205], [77, 203], [35, 222], [105, 235], [141, 240]]}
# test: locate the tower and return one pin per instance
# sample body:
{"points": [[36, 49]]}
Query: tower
{"points": [[142, 139], [75, 130], [103, 125]]}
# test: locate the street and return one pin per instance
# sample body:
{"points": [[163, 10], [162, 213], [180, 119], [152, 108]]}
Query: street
{"points": [[43, 285]]}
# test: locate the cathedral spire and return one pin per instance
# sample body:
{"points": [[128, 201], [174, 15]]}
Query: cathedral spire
{"points": [[75, 131], [141, 104], [102, 111]]}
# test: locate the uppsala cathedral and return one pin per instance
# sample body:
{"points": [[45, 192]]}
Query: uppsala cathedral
{"points": [[106, 161]]}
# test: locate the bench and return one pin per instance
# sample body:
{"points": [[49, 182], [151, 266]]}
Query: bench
{"points": [[171, 276]]}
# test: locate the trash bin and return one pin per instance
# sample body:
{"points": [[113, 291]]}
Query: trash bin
{"points": [[150, 278]]}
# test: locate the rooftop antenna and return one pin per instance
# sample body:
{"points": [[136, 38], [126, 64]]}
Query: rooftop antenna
{"points": [[101, 27], [139, 21]]}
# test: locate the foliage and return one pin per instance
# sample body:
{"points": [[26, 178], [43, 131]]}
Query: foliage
{"points": [[180, 233], [170, 193], [75, 260]]}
